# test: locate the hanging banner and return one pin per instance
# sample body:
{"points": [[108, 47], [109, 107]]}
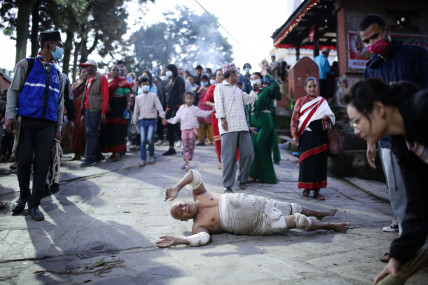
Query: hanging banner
{"points": [[358, 55]]}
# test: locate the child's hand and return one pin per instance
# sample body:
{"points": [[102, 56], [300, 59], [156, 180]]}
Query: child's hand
{"points": [[164, 122]]}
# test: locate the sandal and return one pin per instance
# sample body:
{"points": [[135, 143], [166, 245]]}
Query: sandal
{"points": [[305, 192], [219, 166], [318, 196], [385, 258]]}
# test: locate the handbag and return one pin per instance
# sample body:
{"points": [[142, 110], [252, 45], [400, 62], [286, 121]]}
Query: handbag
{"points": [[336, 142]]}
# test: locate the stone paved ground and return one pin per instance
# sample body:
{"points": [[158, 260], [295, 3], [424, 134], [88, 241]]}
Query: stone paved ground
{"points": [[114, 212]]}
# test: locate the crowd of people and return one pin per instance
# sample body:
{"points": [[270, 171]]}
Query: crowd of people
{"points": [[118, 111]]}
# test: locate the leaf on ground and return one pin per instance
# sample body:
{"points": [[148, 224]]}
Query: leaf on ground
{"points": [[99, 262]]}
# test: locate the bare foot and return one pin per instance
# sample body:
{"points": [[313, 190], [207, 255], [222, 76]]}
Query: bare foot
{"points": [[339, 227], [329, 213]]}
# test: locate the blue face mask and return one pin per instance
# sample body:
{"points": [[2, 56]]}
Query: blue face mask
{"points": [[204, 83], [58, 53]]}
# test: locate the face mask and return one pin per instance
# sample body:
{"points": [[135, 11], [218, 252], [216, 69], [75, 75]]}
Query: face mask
{"points": [[379, 46], [256, 81], [213, 81], [204, 83], [145, 88], [168, 74], [164, 77], [247, 70], [58, 53]]}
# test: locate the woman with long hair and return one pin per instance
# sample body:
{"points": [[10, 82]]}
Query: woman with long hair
{"points": [[376, 109]]}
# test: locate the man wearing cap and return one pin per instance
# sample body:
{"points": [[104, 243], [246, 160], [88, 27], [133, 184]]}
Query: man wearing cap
{"points": [[94, 109], [34, 97], [229, 105], [324, 69]]}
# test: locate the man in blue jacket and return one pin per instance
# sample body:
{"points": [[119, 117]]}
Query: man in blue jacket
{"points": [[34, 98]]}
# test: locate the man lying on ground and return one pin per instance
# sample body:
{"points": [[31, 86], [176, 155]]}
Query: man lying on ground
{"points": [[239, 214]]}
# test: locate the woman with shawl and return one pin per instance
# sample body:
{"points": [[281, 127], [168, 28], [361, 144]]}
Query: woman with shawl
{"points": [[309, 122], [113, 133]]}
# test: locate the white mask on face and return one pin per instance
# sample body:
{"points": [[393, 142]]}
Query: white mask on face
{"points": [[145, 88], [168, 74], [213, 81], [247, 69], [256, 81], [164, 77]]}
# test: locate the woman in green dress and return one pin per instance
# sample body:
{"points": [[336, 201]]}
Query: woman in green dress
{"points": [[262, 128]]}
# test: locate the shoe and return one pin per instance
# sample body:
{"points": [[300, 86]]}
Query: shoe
{"points": [[228, 190], [178, 144], [19, 205], [242, 185], [184, 166], [159, 142], [35, 214], [152, 160], [88, 163], [12, 159], [392, 228], [101, 158], [3, 158], [54, 188], [170, 151], [115, 157], [142, 164], [200, 143], [13, 165], [219, 166], [385, 258], [75, 157]]}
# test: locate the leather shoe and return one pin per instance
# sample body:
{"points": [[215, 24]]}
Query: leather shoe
{"points": [[36, 214], [19, 205], [54, 188], [170, 151]]}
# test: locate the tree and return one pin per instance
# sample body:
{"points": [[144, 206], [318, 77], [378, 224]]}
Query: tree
{"points": [[184, 38]]}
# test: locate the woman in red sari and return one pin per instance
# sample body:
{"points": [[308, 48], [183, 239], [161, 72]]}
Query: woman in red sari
{"points": [[309, 123], [113, 133], [78, 141], [209, 101]]}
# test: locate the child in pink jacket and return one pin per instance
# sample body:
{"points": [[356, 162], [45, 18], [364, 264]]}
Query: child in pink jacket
{"points": [[188, 115]]}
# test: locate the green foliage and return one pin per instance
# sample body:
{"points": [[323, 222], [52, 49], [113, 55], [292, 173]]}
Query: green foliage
{"points": [[183, 38]]}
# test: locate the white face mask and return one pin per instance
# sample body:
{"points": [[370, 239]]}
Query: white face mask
{"points": [[168, 74], [247, 70], [256, 81], [145, 88], [164, 77], [213, 81]]}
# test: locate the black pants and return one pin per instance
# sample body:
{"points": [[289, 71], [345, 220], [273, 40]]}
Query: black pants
{"points": [[323, 87], [35, 141], [6, 143], [159, 130], [173, 132]]}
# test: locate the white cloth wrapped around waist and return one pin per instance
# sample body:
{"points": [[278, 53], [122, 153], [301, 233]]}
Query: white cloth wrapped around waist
{"points": [[253, 215]]}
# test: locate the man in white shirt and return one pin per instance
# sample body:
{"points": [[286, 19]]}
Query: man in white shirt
{"points": [[234, 131]]}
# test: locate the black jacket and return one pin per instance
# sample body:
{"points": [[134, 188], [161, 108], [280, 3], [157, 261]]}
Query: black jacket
{"points": [[414, 111], [175, 89]]}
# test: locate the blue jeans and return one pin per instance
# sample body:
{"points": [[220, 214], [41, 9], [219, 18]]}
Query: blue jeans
{"points": [[147, 130], [92, 122]]}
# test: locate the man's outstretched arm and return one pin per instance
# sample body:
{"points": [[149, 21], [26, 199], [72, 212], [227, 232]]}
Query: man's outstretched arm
{"points": [[192, 177], [198, 239]]}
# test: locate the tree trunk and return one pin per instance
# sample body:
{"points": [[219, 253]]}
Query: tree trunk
{"points": [[35, 29], [22, 23], [68, 46], [76, 55]]}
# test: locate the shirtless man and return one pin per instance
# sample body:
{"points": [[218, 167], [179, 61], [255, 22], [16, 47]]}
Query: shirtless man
{"points": [[240, 214]]}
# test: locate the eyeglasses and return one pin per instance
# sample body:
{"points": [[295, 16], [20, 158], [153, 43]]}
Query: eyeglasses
{"points": [[354, 122]]}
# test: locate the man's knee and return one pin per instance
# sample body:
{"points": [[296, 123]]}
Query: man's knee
{"points": [[295, 208], [302, 222]]}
